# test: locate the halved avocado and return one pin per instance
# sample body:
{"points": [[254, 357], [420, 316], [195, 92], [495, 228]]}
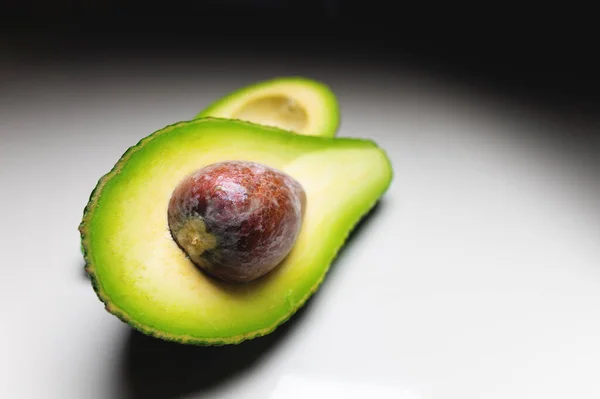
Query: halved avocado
{"points": [[146, 280], [302, 105]]}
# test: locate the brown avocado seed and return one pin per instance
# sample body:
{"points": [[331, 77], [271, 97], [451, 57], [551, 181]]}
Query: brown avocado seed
{"points": [[236, 220]]}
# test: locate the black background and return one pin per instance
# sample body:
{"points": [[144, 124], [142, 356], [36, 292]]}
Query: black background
{"points": [[546, 56]]}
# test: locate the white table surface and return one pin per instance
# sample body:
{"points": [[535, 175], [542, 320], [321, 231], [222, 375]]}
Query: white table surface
{"points": [[478, 276]]}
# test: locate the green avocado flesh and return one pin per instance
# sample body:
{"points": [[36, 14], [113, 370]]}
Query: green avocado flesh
{"points": [[146, 280], [302, 105]]}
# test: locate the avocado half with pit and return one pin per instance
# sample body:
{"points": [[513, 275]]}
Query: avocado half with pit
{"points": [[145, 278], [299, 104]]}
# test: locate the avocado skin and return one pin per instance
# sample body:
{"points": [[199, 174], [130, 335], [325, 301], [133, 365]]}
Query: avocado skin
{"points": [[233, 340]]}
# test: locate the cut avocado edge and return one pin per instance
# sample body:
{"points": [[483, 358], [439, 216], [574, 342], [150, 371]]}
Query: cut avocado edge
{"points": [[112, 308], [324, 116]]}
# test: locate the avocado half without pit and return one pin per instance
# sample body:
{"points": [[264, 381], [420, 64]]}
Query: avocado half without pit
{"points": [[214, 231], [298, 104]]}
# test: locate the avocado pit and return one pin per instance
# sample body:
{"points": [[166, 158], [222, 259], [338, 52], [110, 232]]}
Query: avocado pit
{"points": [[236, 220]]}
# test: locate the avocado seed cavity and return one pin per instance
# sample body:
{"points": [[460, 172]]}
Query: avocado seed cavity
{"points": [[236, 220], [279, 111]]}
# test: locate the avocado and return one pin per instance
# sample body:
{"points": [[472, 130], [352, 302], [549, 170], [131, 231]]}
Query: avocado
{"points": [[302, 105], [144, 278]]}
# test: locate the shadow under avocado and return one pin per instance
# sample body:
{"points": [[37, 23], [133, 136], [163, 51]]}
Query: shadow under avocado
{"points": [[82, 272], [157, 369]]}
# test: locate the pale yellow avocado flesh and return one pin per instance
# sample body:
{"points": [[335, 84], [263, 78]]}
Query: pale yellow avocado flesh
{"points": [[145, 279], [301, 105]]}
